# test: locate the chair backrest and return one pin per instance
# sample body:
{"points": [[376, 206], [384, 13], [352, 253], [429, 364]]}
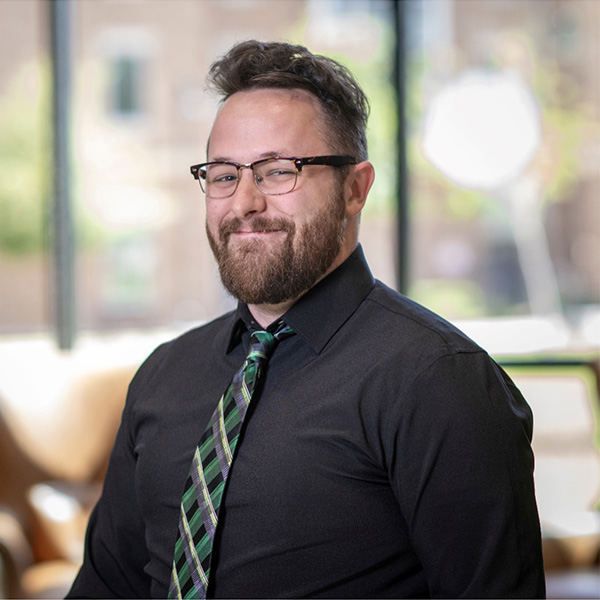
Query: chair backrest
{"points": [[71, 438], [565, 405]]}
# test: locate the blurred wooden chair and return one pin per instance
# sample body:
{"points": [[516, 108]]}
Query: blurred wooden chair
{"points": [[52, 464]]}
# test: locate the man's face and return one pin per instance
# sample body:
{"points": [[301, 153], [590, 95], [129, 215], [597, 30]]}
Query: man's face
{"points": [[271, 249]]}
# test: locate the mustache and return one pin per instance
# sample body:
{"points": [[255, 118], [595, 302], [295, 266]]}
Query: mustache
{"points": [[256, 225]]}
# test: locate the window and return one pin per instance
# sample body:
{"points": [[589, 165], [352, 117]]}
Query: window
{"points": [[504, 222], [126, 85], [141, 117]]}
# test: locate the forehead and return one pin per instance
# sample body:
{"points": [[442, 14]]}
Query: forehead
{"points": [[272, 97], [268, 121]]}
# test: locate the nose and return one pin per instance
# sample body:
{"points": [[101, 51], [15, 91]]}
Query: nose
{"points": [[247, 199]]}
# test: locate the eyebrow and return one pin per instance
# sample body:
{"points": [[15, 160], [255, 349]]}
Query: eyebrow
{"points": [[260, 157]]}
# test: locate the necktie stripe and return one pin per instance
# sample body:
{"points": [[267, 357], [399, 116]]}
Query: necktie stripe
{"points": [[209, 514], [220, 433], [226, 426], [205, 485], [210, 472], [175, 590], [241, 403], [197, 572], [245, 394], [223, 450]]}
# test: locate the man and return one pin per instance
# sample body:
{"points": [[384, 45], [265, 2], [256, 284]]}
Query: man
{"points": [[383, 454]]}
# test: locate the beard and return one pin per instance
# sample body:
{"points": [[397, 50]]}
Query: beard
{"points": [[256, 272]]}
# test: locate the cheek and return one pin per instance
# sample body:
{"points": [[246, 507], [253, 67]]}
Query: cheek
{"points": [[215, 212], [302, 205]]}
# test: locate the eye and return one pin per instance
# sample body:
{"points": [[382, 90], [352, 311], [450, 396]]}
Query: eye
{"points": [[221, 174], [226, 178], [276, 170], [280, 172]]}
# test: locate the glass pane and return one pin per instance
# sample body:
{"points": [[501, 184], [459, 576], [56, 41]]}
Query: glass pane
{"points": [[144, 260], [504, 116], [126, 85], [24, 176]]}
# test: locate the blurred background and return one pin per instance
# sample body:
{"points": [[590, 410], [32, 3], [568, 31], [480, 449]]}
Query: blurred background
{"points": [[485, 135]]}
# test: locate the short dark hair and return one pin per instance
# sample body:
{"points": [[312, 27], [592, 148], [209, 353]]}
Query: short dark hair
{"points": [[252, 64]]}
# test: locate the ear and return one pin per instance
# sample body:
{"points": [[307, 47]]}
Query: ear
{"points": [[357, 186]]}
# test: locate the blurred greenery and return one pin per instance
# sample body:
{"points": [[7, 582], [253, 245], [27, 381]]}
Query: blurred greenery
{"points": [[24, 162], [374, 73], [451, 297], [26, 169]]}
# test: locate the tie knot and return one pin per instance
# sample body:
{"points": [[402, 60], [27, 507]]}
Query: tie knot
{"points": [[262, 343]]}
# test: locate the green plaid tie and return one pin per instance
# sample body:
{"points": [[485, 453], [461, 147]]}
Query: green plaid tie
{"points": [[210, 466]]}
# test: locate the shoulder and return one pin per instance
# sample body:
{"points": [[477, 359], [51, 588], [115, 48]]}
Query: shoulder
{"points": [[394, 343], [402, 322], [176, 355], [215, 332]]}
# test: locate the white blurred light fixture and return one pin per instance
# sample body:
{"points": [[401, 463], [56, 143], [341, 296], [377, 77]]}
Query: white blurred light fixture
{"points": [[481, 132], [483, 129]]}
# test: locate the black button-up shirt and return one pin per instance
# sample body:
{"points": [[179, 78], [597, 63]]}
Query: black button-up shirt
{"points": [[386, 456]]}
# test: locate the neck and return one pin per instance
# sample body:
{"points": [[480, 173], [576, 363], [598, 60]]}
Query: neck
{"points": [[265, 314]]}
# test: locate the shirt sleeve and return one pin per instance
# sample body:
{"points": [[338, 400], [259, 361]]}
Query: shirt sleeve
{"points": [[463, 476], [115, 551]]}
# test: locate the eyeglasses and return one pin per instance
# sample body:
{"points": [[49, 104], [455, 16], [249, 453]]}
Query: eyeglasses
{"points": [[273, 176]]}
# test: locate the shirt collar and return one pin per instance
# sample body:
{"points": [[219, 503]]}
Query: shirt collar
{"points": [[319, 313]]}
